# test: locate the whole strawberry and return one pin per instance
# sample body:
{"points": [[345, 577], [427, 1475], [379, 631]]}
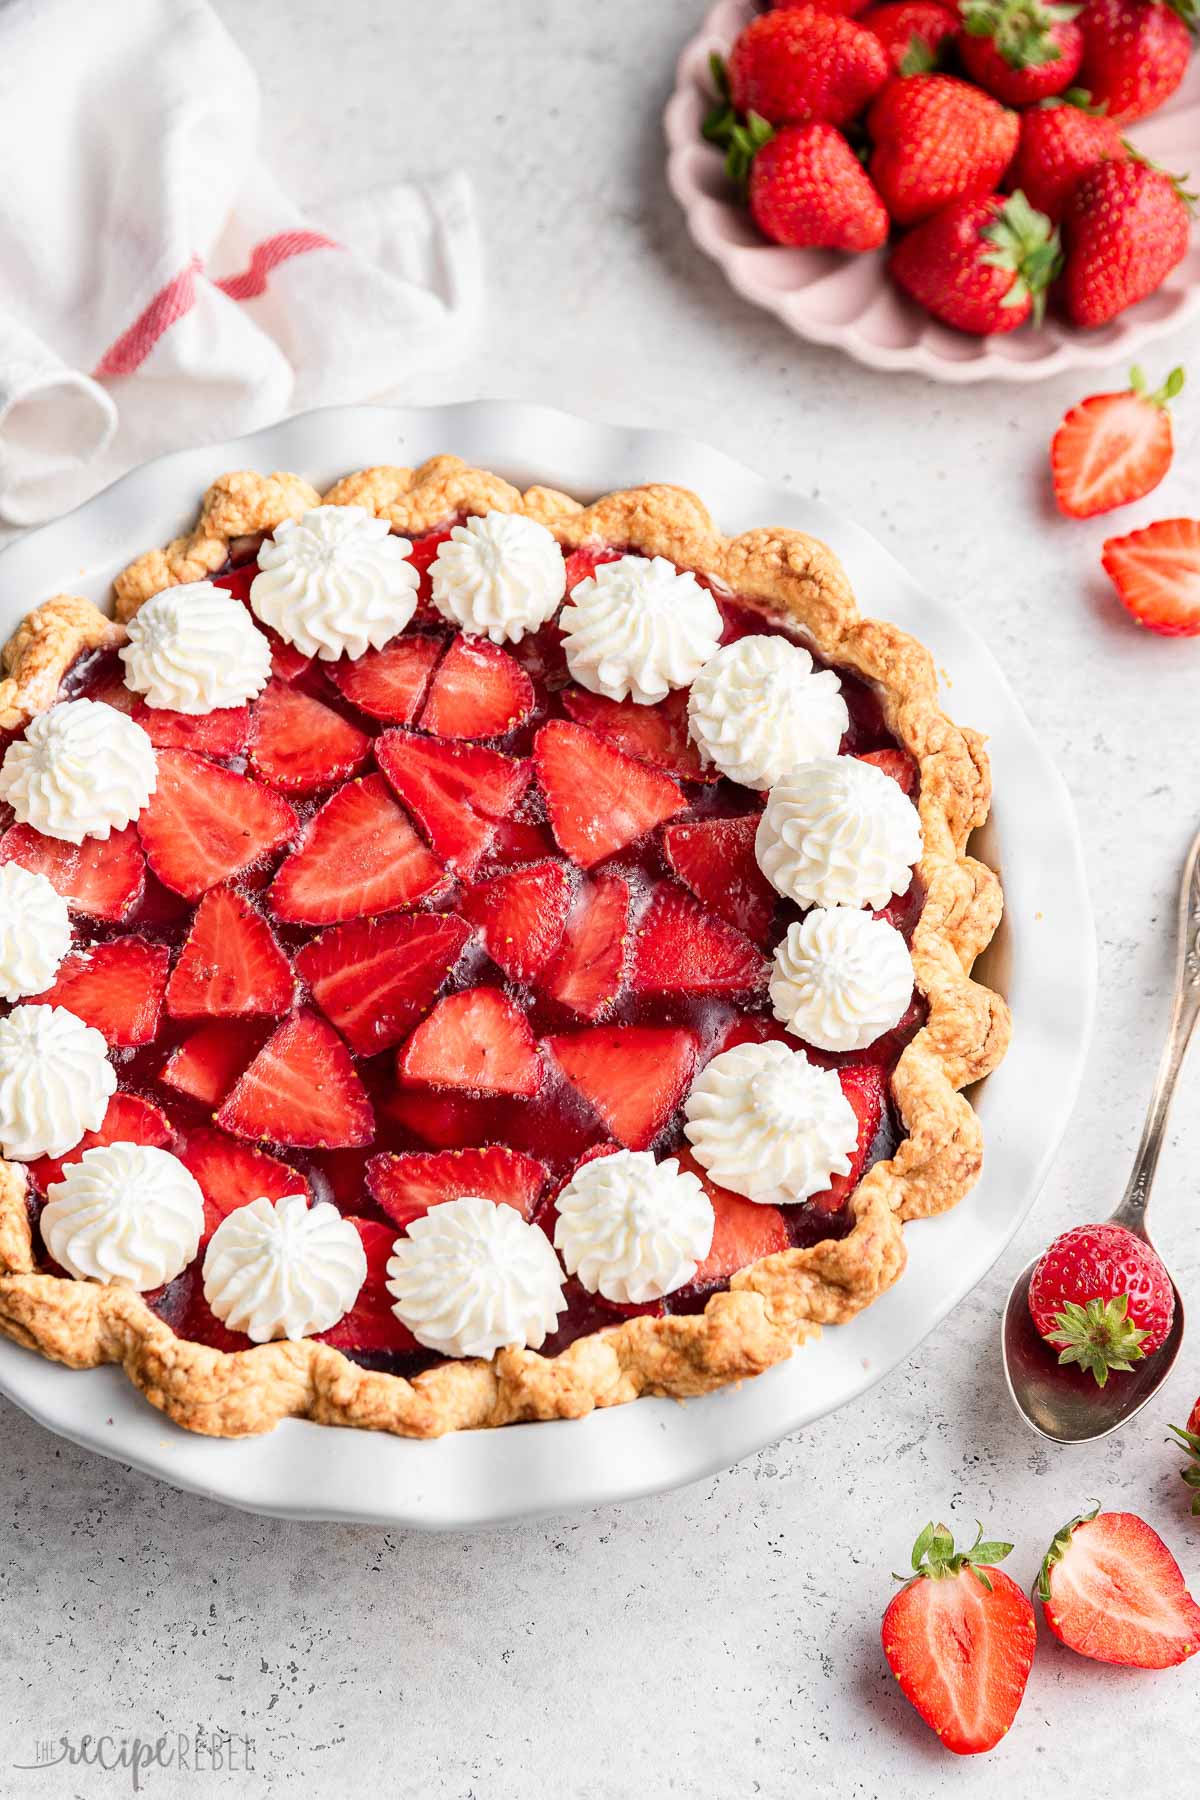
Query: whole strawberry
{"points": [[807, 188], [1060, 141], [1135, 53], [844, 9], [1189, 1435], [1020, 50], [793, 66], [917, 34], [980, 265], [937, 139], [1125, 229], [1103, 1298]]}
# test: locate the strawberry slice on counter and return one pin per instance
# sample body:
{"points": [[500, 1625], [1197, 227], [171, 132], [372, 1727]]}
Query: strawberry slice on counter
{"points": [[681, 948], [371, 1324], [456, 792], [1112, 1590], [101, 878], [1156, 573], [373, 978], [128, 1119], [1189, 1437], [899, 765], [475, 1039], [654, 734], [231, 1174], [959, 1638], [587, 972], [479, 691], [632, 1076], [407, 1186], [230, 963], [116, 986], [521, 916], [209, 1061], [1112, 449], [301, 1089], [743, 1233], [865, 1087], [360, 856], [298, 745], [715, 859], [222, 733], [389, 684], [203, 823], [599, 799]]}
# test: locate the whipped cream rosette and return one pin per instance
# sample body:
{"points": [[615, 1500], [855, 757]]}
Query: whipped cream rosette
{"points": [[472, 1277], [758, 708], [124, 1213], [838, 832], [82, 770], [334, 582], [55, 1081], [841, 978], [638, 628], [499, 576], [195, 649], [633, 1229], [765, 1122], [35, 932], [283, 1269]]}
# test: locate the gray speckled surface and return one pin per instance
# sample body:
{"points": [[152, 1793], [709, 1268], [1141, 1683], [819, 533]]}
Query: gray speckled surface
{"points": [[722, 1640]]}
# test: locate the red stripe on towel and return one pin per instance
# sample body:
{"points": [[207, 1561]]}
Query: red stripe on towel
{"points": [[268, 255], [170, 303]]}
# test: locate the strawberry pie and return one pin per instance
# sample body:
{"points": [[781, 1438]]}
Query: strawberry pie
{"points": [[470, 957]]}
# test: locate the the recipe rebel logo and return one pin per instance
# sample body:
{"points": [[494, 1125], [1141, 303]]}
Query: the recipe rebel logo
{"points": [[202, 1751]]}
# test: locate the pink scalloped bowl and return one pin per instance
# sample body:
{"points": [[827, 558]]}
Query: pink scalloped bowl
{"points": [[850, 302]]}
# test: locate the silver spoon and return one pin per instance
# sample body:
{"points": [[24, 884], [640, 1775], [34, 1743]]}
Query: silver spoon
{"points": [[1064, 1403]]}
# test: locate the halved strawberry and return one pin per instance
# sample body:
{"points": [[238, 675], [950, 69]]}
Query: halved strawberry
{"points": [[743, 1232], [898, 764], [715, 858], [230, 963], [654, 734], [1112, 1590], [598, 798], [222, 733], [587, 972], [127, 1120], [102, 878], [371, 1324], [632, 1076], [865, 1087], [300, 1089], [298, 745], [388, 684], [682, 948], [407, 1186], [231, 1174], [1156, 572], [479, 691], [203, 823], [1113, 449], [360, 856], [373, 978], [116, 986], [209, 1061], [456, 792], [521, 916], [474, 1039]]}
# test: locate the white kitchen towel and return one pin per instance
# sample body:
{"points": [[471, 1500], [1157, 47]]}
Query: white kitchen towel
{"points": [[157, 288]]}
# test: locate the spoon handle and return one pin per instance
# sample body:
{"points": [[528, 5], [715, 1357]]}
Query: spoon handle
{"points": [[1186, 1010]]}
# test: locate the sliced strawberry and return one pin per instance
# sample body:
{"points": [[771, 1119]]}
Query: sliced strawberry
{"points": [[371, 1324], [373, 978], [199, 1324], [584, 562], [230, 963], [298, 745], [479, 691], [231, 1174], [586, 974], [1112, 1590], [899, 765], [598, 798], [521, 916], [203, 823], [117, 987], [474, 1039], [457, 793], [1156, 572], [447, 1119], [865, 1087], [360, 856], [127, 1120], [102, 878], [715, 858], [632, 1076], [207, 1063], [286, 662], [682, 948], [743, 1232], [300, 1089], [407, 1186], [222, 733], [1113, 448], [421, 556], [654, 734], [389, 684]]}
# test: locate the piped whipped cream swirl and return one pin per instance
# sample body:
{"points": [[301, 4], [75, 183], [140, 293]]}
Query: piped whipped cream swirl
{"points": [[758, 708], [633, 1229], [838, 832], [195, 649], [35, 932], [472, 1277], [55, 1081], [81, 770], [638, 628], [283, 1269], [124, 1213], [499, 576], [334, 582], [841, 978], [765, 1122]]}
